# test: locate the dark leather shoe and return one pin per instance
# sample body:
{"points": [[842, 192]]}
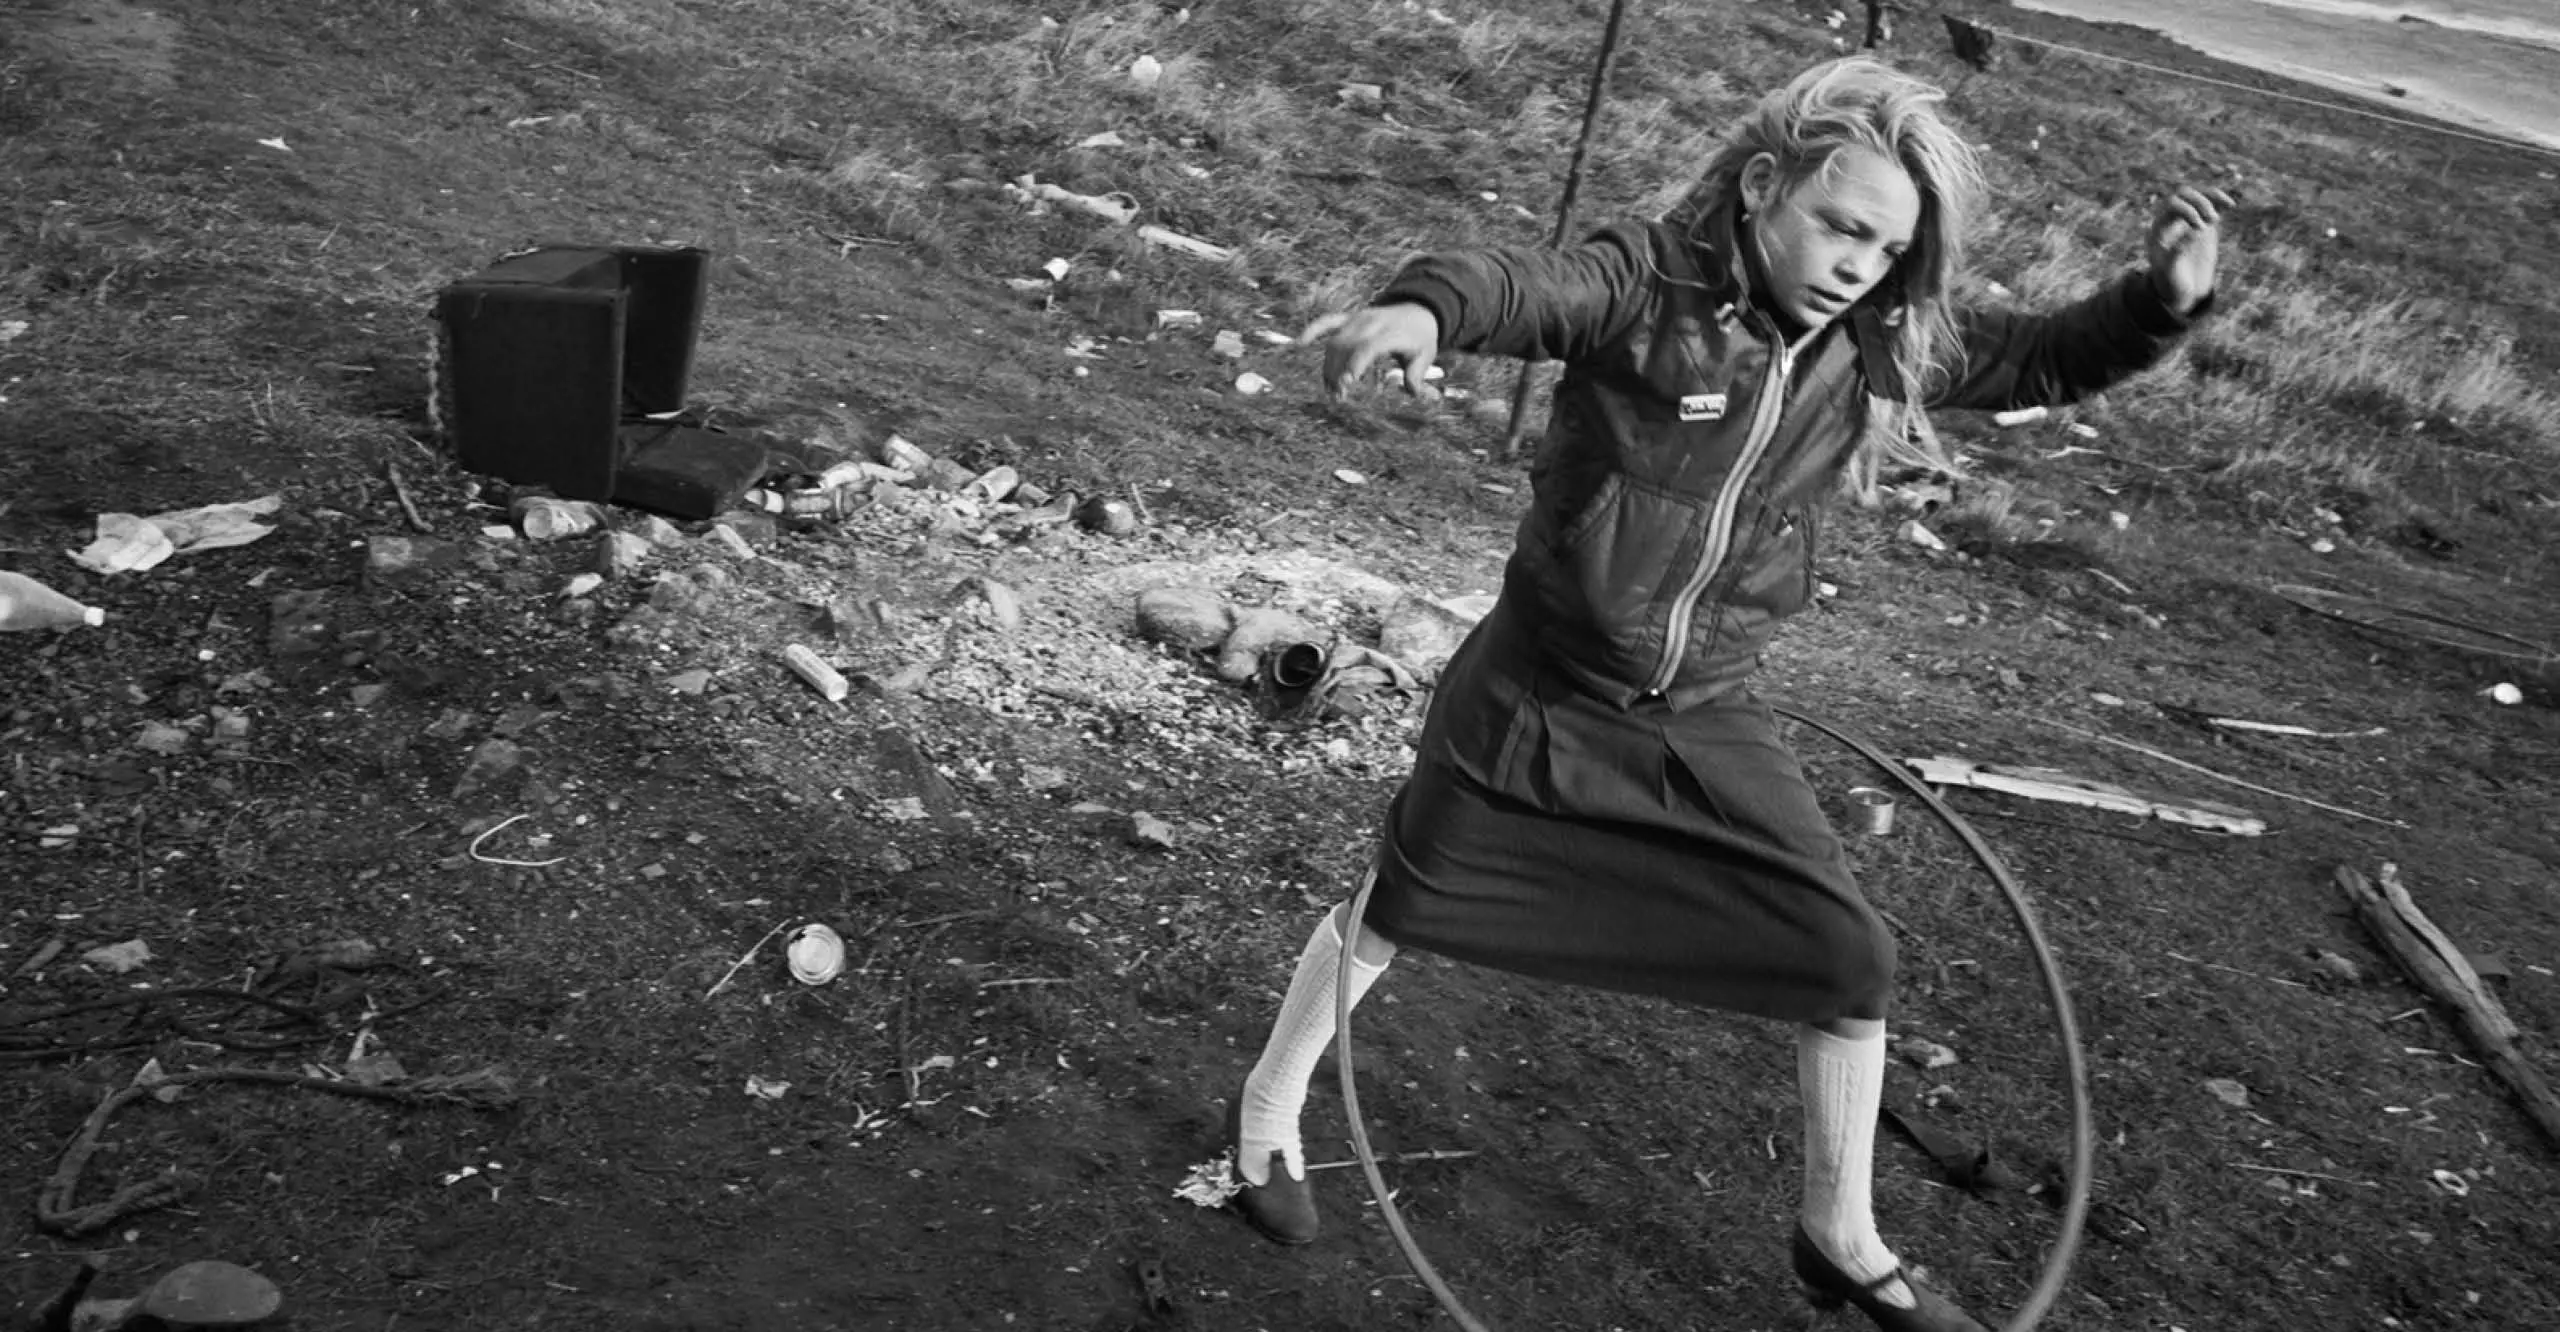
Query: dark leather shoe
{"points": [[1827, 1287], [1285, 1208]]}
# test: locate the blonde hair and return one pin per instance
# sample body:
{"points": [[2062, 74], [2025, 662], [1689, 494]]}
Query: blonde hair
{"points": [[1860, 102]]}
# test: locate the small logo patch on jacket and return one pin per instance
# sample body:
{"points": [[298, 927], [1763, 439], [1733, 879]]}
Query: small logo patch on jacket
{"points": [[1702, 407]]}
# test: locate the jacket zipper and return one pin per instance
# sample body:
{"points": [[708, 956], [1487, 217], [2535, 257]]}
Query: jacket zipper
{"points": [[1764, 426]]}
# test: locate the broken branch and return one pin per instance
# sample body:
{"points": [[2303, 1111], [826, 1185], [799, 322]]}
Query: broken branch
{"points": [[2440, 970]]}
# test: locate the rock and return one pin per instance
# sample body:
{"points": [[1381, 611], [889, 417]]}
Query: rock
{"points": [[1257, 632], [389, 559], [944, 474], [655, 530], [1189, 618], [297, 625], [1422, 633], [494, 761], [1110, 517], [618, 553], [163, 739], [846, 619], [1003, 606]]}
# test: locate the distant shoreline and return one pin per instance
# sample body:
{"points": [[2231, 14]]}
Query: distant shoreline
{"points": [[2460, 78]]}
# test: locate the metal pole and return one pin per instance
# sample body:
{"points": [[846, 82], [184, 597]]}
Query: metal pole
{"points": [[1572, 191]]}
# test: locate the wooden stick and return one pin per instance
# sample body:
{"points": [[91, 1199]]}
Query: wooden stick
{"points": [[408, 506], [2221, 777], [1400, 1158], [2391, 924]]}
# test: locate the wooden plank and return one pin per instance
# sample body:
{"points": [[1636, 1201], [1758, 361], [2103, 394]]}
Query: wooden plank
{"points": [[2066, 788]]}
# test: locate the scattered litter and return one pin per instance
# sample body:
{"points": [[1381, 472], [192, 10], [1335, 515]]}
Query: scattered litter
{"points": [[817, 954], [1919, 535], [1108, 209], [2119, 519], [1274, 338], [2055, 785], [1923, 1053], [1057, 269], [2450, 1182], [491, 830], [1228, 343], [2196, 717], [1147, 830], [2505, 692], [12, 329], [1211, 1183], [2020, 416], [545, 518], [119, 958], [1360, 94], [2336, 967], [128, 544], [1349, 477], [1252, 385], [1173, 319], [1106, 139], [1146, 71], [1193, 246], [827, 680], [2228, 1092], [766, 1089], [2082, 430], [276, 143], [2105, 700], [1875, 809]]}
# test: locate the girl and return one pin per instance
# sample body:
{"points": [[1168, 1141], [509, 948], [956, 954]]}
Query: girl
{"points": [[1598, 797]]}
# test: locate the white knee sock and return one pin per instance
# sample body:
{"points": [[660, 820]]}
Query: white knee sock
{"points": [[1843, 1084], [1276, 1090]]}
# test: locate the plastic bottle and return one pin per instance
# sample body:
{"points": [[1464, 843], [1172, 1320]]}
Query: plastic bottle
{"points": [[28, 604]]}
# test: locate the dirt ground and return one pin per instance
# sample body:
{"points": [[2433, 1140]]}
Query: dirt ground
{"points": [[1072, 868]]}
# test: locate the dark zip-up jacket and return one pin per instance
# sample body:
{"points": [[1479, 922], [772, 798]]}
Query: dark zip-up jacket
{"points": [[1689, 448]]}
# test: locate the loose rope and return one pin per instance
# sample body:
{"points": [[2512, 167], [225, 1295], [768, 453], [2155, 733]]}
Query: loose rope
{"points": [[2075, 1209]]}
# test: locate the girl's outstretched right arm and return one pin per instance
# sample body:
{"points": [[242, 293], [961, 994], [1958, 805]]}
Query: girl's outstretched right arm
{"points": [[1536, 304]]}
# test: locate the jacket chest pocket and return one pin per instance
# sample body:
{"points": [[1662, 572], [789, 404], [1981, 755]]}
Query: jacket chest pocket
{"points": [[1626, 548]]}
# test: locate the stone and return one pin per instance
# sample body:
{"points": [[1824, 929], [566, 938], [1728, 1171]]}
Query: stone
{"points": [[493, 762], [297, 624], [388, 559], [1190, 618], [655, 530], [1110, 517], [618, 553]]}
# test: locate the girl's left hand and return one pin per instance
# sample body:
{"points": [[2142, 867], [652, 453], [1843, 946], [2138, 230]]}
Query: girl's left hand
{"points": [[2184, 246]]}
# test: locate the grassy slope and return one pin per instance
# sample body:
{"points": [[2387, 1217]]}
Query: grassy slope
{"points": [[845, 159]]}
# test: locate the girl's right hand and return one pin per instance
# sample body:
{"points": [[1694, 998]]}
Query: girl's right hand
{"points": [[1406, 334]]}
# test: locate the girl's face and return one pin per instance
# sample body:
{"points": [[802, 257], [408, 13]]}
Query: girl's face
{"points": [[1829, 239]]}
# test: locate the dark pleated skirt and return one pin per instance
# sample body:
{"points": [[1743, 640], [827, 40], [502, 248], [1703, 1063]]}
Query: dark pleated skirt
{"points": [[1679, 854]]}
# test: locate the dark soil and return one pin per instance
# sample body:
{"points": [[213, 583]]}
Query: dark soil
{"points": [[987, 1115]]}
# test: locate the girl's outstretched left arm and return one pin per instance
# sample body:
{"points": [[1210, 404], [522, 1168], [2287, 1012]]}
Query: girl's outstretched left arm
{"points": [[2022, 360]]}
